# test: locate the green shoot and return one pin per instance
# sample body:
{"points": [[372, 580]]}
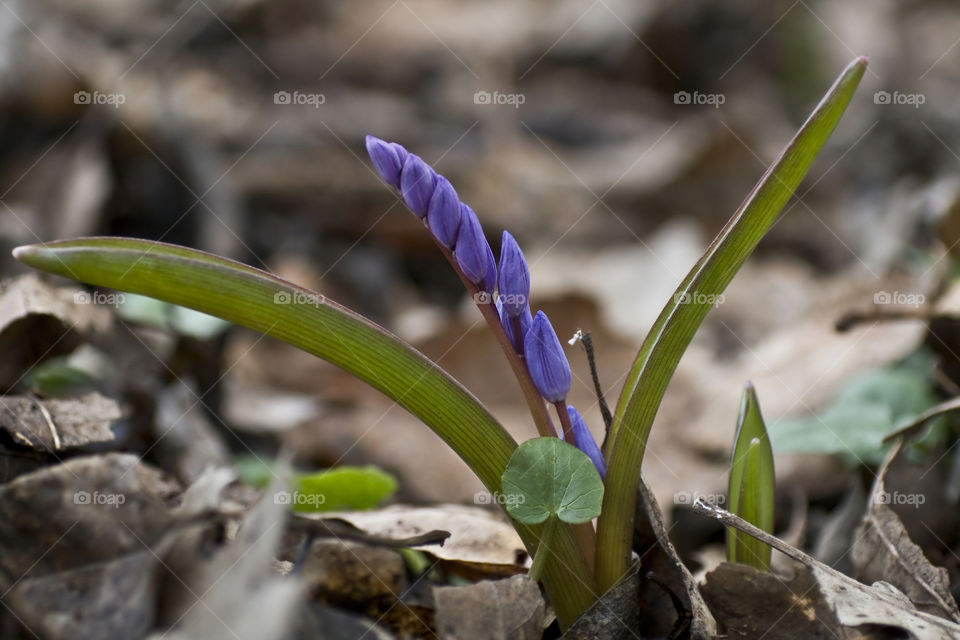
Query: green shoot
{"points": [[752, 481]]}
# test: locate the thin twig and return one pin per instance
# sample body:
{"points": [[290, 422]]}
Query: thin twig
{"points": [[704, 508], [587, 343]]}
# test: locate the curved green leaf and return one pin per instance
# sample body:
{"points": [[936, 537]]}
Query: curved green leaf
{"points": [[674, 329], [256, 299], [253, 298]]}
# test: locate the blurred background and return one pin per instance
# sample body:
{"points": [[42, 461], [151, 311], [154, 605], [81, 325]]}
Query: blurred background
{"points": [[612, 138]]}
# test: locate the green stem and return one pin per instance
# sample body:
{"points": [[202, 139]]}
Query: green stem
{"points": [[565, 424], [543, 549]]}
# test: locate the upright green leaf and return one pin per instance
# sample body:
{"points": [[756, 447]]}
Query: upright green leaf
{"points": [[752, 483], [678, 322]]}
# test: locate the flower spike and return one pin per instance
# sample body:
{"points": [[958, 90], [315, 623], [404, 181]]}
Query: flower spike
{"points": [[545, 359], [514, 277]]}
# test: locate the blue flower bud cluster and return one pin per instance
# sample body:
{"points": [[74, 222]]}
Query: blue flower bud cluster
{"points": [[456, 227], [433, 199]]}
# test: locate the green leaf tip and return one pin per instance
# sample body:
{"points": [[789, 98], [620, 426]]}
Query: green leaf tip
{"points": [[752, 483], [673, 330]]}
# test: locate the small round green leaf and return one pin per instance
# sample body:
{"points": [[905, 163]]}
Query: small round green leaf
{"points": [[342, 488], [548, 477]]}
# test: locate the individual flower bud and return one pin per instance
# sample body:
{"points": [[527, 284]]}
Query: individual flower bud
{"points": [[525, 319], [443, 213], [585, 442], [387, 159], [472, 249], [546, 362], [489, 282], [402, 154], [513, 279], [417, 181]]}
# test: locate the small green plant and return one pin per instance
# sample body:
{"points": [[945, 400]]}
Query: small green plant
{"points": [[343, 488], [582, 563], [752, 482], [548, 481]]}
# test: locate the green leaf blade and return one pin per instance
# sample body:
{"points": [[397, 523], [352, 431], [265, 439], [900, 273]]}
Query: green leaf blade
{"points": [[258, 300], [678, 322]]}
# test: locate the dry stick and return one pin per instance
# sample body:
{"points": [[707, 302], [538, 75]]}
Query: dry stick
{"points": [[823, 571], [725, 517], [587, 343]]}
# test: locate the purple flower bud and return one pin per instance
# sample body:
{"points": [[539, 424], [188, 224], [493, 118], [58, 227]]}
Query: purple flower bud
{"points": [[387, 159], [401, 154], [489, 282], [417, 181], [514, 277], [545, 360], [472, 251], [443, 213], [525, 320], [585, 442]]}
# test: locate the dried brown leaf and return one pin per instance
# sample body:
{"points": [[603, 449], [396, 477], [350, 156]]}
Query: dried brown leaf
{"points": [[755, 604], [86, 510], [883, 550], [855, 605], [38, 321], [479, 538], [56, 424], [507, 609], [666, 584]]}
